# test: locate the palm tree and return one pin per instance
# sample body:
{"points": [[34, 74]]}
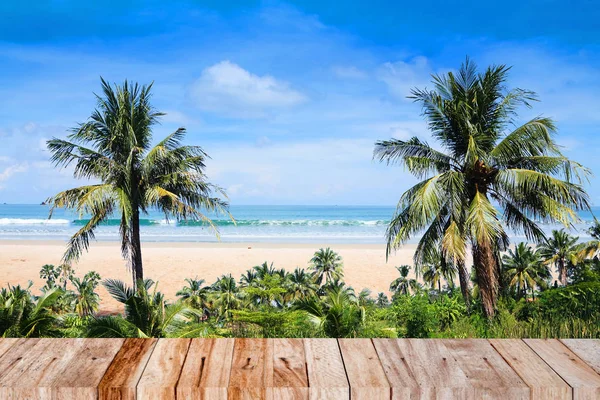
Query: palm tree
{"points": [[195, 294], [402, 285], [524, 270], [337, 314], [562, 250], [301, 285], [326, 265], [436, 269], [480, 161], [227, 295], [23, 315], [147, 314], [114, 147], [86, 298], [382, 300]]}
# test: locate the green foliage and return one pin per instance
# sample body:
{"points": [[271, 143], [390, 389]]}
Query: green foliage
{"points": [[115, 148], [488, 174], [271, 302], [415, 316]]}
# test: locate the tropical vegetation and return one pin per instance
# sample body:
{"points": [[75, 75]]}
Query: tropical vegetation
{"points": [[267, 301], [115, 147], [487, 173]]}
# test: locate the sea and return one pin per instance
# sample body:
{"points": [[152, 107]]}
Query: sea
{"points": [[256, 223]]}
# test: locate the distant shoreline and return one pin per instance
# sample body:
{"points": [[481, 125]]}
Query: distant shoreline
{"points": [[170, 263], [221, 245]]}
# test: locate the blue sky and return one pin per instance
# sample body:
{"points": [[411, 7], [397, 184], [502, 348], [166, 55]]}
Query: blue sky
{"points": [[287, 97]]}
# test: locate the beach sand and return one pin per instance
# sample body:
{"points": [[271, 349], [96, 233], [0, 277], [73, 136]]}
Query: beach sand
{"points": [[169, 264]]}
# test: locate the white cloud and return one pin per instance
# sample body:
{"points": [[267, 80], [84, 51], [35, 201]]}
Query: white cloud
{"points": [[309, 172], [402, 76], [11, 170], [349, 72], [229, 89]]}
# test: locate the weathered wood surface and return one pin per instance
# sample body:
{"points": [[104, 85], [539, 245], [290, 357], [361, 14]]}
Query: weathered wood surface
{"points": [[229, 369]]}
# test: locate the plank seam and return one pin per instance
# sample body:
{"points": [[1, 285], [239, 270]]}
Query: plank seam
{"points": [[514, 370], [145, 366], [107, 367], [381, 364], [577, 355], [345, 370], [181, 370], [550, 366]]}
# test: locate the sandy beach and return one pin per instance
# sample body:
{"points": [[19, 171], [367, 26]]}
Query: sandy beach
{"points": [[169, 264]]}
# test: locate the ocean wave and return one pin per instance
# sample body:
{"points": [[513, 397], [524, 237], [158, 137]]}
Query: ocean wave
{"points": [[192, 223], [33, 221], [299, 222]]}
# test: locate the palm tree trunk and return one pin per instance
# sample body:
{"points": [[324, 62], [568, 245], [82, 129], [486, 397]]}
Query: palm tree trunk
{"points": [[562, 271], [136, 249], [463, 277], [487, 277]]}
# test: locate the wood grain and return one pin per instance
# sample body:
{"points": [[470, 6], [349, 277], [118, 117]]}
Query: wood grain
{"points": [[586, 349], [82, 375], [251, 369], [32, 376], [580, 376], [545, 384], [205, 374], [6, 344], [290, 378], [365, 372], [325, 370], [434, 369], [160, 377], [399, 374], [122, 376], [487, 372]]}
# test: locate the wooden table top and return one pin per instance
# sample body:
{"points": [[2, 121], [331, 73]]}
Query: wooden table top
{"points": [[275, 369]]}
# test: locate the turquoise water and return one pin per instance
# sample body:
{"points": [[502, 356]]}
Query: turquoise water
{"points": [[299, 224]]}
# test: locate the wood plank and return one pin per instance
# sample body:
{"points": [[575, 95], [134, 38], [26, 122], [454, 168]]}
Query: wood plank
{"points": [[434, 369], [33, 375], [488, 373], [13, 354], [82, 375], [205, 374], [6, 344], [325, 368], [397, 370], [586, 349], [541, 379], [251, 369], [365, 373], [290, 379], [160, 377], [580, 376], [121, 379]]}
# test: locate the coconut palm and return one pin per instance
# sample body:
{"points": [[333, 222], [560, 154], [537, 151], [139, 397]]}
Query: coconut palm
{"points": [[115, 148], [402, 285], [436, 269], [300, 285], [227, 296], [326, 265], [147, 314], [337, 313], [524, 270], [86, 298], [561, 250], [23, 315], [480, 159], [382, 300], [195, 294]]}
